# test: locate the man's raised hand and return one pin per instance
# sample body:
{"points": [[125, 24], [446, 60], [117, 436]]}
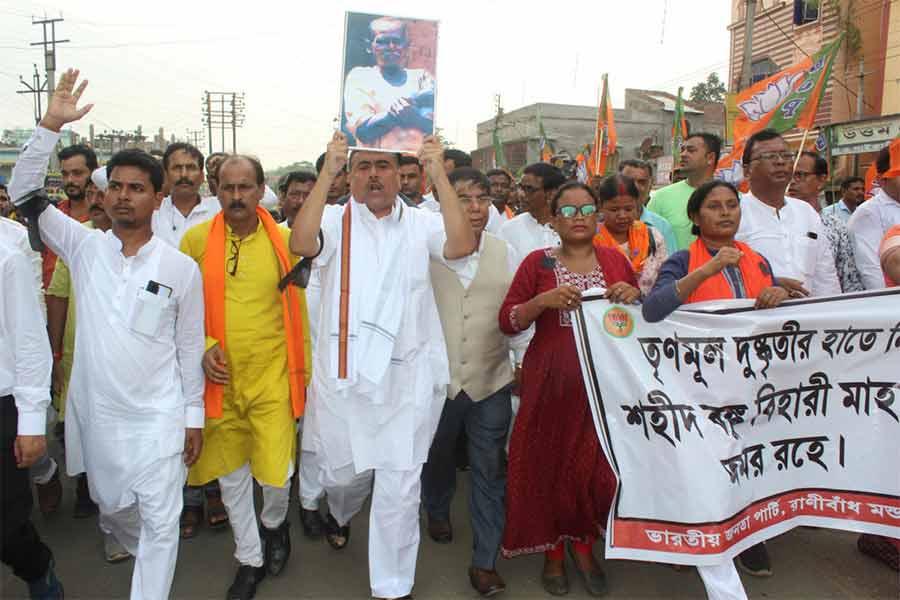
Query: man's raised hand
{"points": [[336, 154], [63, 107], [432, 156]]}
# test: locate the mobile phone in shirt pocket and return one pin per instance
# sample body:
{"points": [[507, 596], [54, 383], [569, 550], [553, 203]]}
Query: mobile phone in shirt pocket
{"points": [[147, 313]]}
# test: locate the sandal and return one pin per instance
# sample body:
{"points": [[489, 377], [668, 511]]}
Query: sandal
{"points": [[338, 537], [191, 516], [216, 515]]}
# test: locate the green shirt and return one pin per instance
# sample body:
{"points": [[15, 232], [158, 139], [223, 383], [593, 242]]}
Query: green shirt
{"points": [[671, 203]]}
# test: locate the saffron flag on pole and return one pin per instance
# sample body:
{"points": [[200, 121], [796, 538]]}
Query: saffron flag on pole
{"points": [[545, 145], [679, 126], [787, 99], [605, 134]]}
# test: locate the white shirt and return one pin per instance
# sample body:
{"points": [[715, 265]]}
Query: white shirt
{"points": [[137, 380], [466, 269], [25, 358], [526, 235], [495, 219], [169, 225], [793, 240], [869, 223], [18, 235], [838, 209]]}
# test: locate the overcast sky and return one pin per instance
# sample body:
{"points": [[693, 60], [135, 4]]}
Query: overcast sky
{"points": [[149, 62]]}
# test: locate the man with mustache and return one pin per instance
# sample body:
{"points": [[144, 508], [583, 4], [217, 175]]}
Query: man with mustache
{"points": [[381, 371], [184, 207], [699, 156], [136, 405], [179, 211], [786, 230], [256, 363]]}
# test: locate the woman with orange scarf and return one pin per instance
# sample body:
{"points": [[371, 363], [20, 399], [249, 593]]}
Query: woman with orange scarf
{"points": [[643, 246], [715, 266]]}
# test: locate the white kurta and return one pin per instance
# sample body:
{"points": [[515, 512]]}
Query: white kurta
{"points": [[793, 240], [526, 235], [867, 226], [345, 428], [169, 225]]}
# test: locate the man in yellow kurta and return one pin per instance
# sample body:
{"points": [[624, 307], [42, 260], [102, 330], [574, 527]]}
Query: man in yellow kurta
{"points": [[257, 365]]}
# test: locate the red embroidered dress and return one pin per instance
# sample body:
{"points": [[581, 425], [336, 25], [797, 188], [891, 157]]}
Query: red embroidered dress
{"points": [[559, 485]]}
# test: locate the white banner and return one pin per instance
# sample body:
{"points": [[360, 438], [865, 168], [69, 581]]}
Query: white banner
{"points": [[729, 426]]}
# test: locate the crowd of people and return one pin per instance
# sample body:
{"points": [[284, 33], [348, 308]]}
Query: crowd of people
{"points": [[391, 310]]}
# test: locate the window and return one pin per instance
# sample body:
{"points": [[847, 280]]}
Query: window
{"points": [[762, 69], [806, 11]]}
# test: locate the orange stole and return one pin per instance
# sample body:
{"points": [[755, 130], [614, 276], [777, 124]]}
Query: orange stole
{"points": [[214, 300], [753, 273], [638, 244], [509, 213]]}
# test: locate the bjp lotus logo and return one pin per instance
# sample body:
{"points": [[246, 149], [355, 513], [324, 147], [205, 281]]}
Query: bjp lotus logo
{"points": [[762, 103], [618, 322]]}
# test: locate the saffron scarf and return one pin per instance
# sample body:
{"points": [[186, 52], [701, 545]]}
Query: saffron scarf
{"points": [[214, 301], [754, 273], [638, 244]]}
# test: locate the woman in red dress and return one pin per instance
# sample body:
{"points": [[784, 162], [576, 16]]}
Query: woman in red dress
{"points": [[559, 485]]}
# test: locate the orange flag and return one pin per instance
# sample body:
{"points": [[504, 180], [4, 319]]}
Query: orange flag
{"points": [[605, 134], [787, 99]]}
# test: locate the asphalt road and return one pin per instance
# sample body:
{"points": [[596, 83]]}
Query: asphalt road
{"points": [[808, 563]]}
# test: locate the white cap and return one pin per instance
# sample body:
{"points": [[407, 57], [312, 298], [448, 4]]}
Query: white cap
{"points": [[269, 200], [99, 178]]}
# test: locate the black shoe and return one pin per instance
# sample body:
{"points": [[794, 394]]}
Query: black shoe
{"points": [[755, 561], [440, 530], [84, 506], [276, 547], [313, 526], [244, 586]]}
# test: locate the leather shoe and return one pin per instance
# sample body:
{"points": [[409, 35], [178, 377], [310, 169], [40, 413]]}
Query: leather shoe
{"points": [[487, 583], [313, 526], [440, 530], [276, 547], [49, 494], [245, 580], [84, 506]]}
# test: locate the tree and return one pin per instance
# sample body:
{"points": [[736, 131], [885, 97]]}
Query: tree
{"points": [[711, 90]]}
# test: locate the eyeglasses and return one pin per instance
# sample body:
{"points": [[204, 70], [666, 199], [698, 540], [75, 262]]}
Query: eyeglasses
{"points": [[798, 175], [385, 41], [773, 156], [232, 264], [568, 211]]}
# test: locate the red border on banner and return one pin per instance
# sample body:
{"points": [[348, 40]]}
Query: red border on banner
{"points": [[715, 538]]}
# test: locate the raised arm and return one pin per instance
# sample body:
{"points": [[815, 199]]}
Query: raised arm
{"points": [[26, 187], [460, 237], [304, 239]]}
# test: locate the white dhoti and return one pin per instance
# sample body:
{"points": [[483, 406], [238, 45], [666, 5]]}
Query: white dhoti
{"points": [[309, 486], [148, 528], [393, 521], [237, 496], [722, 582]]}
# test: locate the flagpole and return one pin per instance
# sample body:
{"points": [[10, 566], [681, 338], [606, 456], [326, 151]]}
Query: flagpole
{"points": [[598, 133], [800, 150]]}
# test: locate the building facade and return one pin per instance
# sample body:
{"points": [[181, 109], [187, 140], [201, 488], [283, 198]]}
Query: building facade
{"points": [[643, 128]]}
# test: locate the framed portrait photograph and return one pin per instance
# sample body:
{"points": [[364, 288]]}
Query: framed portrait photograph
{"points": [[389, 81]]}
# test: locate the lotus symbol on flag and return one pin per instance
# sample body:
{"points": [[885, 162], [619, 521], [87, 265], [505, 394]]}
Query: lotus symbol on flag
{"points": [[762, 103], [732, 173]]}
